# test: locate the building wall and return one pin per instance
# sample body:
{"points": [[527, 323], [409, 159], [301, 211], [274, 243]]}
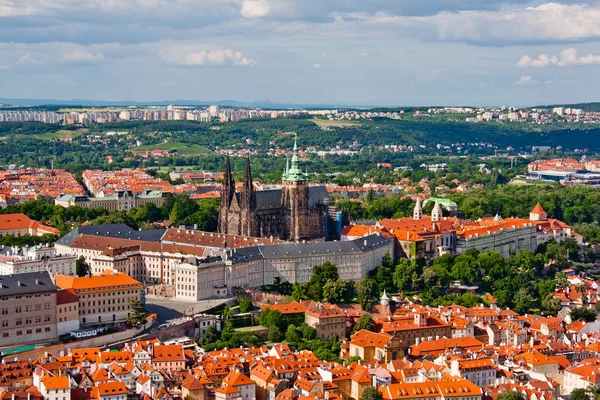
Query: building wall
{"points": [[108, 305], [67, 318], [506, 242], [64, 265], [27, 318]]}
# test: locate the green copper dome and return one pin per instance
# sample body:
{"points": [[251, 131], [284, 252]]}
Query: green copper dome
{"points": [[293, 173]]}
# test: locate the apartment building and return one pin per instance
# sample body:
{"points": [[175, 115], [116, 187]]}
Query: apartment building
{"points": [[103, 299], [121, 200], [67, 311], [20, 224], [327, 319], [14, 260], [27, 308]]}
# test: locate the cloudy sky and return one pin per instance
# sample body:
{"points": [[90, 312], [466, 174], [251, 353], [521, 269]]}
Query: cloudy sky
{"points": [[386, 52]]}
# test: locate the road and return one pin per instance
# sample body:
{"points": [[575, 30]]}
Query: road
{"points": [[169, 309]]}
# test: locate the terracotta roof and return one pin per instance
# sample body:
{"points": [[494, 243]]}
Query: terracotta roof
{"points": [[236, 378], [66, 296], [322, 310], [111, 388], [165, 352], [55, 382], [22, 221], [538, 209], [291, 308], [365, 338], [108, 279]]}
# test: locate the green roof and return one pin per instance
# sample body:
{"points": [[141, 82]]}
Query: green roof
{"points": [[293, 173], [444, 202], [384, 296]]}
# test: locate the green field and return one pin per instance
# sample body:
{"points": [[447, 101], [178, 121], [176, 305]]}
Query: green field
{"points": [[61, 134], [325, 123], [250, 329], [185, 150]]}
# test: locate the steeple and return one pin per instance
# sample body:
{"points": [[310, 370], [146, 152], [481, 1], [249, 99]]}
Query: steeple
{"points": [[228, 185], [436, 213], [418, 211], [248, 195], [294, 173]]}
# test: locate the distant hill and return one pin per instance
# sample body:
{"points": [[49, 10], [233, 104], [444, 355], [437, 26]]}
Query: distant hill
{"points": [[584, 106]]}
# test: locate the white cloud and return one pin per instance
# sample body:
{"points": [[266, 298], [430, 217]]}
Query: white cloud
{"points": [[547, 22], [525, 80], [255, 8], [316, 65], [83, 55], [189, 55], [565, 58]]}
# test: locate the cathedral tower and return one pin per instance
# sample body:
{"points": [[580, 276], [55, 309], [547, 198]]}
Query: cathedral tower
{"points": [[227, 195], [295, 199], [248, 204]]}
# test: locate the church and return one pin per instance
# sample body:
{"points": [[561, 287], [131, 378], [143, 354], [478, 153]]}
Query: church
{"points": [[296, 212]]}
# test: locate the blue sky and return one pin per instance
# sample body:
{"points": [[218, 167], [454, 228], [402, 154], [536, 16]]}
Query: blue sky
{"points": [[384, 52]]}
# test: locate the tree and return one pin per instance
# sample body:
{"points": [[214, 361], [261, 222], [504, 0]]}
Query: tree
{"points": [[583, 313], [82, 268], [551, 304], [579, 394], [292, 335], [274, 334], [269, 318], [561, 280], [211, 335], [245, 304], [510, 395], [138, 313], [227, 312], [308, 332], [403, 275], [365, 293], [364, 322], [523, 301], [371, 393], [334, 291]]}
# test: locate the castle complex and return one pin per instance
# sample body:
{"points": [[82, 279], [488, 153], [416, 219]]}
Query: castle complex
{"points": [[296, 212]]}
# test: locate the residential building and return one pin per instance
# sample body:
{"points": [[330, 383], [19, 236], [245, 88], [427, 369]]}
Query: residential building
{"points": [[121, 200], [103, 299], [374, 346], [327, 319], [20, 224], [27, 308], [14, 260], [67, 311]]}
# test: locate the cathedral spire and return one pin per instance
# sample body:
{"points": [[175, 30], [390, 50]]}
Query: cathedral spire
{"points": [[249, 197], [294, 173], [228, 184]]}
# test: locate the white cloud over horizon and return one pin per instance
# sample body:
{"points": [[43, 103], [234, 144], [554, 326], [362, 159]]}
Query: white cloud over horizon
{"points": [[566, 58], [393, 51]]}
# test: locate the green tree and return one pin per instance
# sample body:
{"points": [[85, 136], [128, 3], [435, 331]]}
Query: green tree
{"points": [[211, 335], [274, 334], [292, 335], [334, 291], [523, 301], [365, 293], [583, 313], [364, 322], [138, 313], [510, 395], [269, 318], [371, 393], [403, 275], [245, 304], [579, 394], [82, 268]]}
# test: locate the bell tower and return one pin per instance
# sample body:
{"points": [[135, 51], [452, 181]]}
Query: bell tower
{"points": [[295, 199]]}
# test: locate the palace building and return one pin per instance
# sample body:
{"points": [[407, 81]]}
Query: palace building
{"points": [[296, 212]]}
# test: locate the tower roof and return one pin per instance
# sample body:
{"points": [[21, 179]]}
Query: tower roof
{"points": [[384, 296], [538, 209], [294, 173]]}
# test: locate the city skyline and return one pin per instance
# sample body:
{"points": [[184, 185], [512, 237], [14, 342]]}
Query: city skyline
{"points": [[302, 51]]}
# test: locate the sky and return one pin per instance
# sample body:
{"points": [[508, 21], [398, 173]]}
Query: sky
{"points": [[345, 52]]}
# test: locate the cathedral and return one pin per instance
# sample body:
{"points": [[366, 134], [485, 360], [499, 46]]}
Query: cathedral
{"points": [[295, 212]]}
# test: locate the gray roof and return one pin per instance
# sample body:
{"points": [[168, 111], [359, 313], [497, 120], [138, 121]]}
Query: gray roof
{"points": [[284, 250], [31, 282], [121, 231]]}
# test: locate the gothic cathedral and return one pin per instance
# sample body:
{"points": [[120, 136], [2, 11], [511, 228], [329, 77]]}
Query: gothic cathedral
{"points": [[296, 212]]}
